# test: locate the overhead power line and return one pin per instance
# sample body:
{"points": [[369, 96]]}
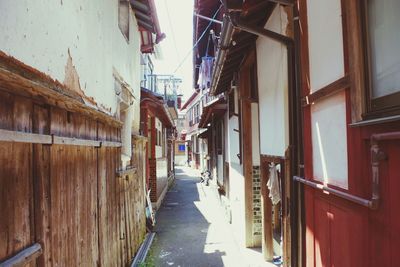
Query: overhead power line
{"points": [[198, 40]]}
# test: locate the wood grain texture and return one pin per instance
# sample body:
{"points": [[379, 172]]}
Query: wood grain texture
{"points": [[246, 153], [67, 198]]}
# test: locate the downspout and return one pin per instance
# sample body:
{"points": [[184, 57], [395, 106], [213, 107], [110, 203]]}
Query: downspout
{"points": [[297, 208], [226, 36]]}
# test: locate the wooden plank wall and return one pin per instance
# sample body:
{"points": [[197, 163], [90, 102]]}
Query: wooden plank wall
{"points": [[67, 198]]}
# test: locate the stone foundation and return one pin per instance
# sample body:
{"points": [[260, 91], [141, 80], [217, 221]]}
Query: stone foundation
{"points": [[257, 216]]}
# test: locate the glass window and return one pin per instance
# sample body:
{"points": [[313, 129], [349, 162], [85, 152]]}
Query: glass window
{"points": [[383, 36]]}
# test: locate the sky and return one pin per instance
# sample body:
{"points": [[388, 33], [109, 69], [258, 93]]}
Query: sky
{"points": [[176, 21]]}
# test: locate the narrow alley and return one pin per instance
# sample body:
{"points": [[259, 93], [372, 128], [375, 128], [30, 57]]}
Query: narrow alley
{"points": [[193, 230], [199, 133]]}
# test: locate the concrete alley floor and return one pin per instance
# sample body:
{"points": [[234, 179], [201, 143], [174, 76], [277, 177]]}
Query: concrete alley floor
{"points": [[191, 229]]}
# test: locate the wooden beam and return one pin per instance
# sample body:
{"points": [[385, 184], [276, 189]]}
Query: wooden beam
{"points": [[247, 168], [283, 2], [127, 171], [233, 5], [328, 90], [23, 257], [271, 159], [286, 200], [110, 144], [22, 137], [32, 138], [59, 140]]}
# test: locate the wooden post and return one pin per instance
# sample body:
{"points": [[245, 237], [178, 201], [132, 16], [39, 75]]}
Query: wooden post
{"points": [[246, 151], [266, 205], [247, 171], [286, 210]]}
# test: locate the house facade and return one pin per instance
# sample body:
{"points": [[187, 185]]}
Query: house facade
{"points": [[192, 109], [180, 142], [71, 172], [311, 125], [157, 124]]}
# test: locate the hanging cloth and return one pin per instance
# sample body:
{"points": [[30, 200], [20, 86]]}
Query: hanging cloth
{"points": [[205, 72], [273, 185]]}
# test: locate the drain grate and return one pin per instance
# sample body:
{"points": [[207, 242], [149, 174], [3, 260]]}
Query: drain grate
{"points": [[143, 250]]}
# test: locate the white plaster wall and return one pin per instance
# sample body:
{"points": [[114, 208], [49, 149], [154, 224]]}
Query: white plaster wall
{"points": [[236, 195], [329, 140], [126, 137], [273, 88], [226, 136], [255, 135], [220, 169], [158, 148], [40, 34], [233, 140], [159, 152], [325, 41]]}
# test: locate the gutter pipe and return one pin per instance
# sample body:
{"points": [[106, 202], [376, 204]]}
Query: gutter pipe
{"points": [[207, 18], [225, 41]]}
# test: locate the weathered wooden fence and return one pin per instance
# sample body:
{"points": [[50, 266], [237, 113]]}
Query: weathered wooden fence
{"points": [[60, 187]]}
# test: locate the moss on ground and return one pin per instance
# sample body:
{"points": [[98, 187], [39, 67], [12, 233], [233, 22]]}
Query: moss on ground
{"points": [[149, 261]]}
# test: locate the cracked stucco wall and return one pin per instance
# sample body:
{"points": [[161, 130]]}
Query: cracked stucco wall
{"points": [[75, 42]]}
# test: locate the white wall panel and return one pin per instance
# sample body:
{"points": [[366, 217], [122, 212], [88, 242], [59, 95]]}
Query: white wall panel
{"points": [[220, 169], [233, 140], [329, 140], [236, 194], [325, 41], [226, 136], [273, 88]]}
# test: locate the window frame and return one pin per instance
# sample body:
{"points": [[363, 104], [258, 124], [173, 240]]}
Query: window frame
{"points": [[383, 106]]}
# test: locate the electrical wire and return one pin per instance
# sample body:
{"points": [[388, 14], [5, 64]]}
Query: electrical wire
{"points": [[198, 40], [172, 29]]}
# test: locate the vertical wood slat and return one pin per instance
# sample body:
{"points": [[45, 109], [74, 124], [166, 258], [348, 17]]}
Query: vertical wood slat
{"points": [[16, 190], [41, 181], [70, 193], [247, 154]]}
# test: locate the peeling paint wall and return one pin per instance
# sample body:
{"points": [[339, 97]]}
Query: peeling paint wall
{"points": [[76, 42]]}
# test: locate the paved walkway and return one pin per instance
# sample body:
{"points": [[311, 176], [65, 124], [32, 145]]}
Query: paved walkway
{"points": [[191, 229]]}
